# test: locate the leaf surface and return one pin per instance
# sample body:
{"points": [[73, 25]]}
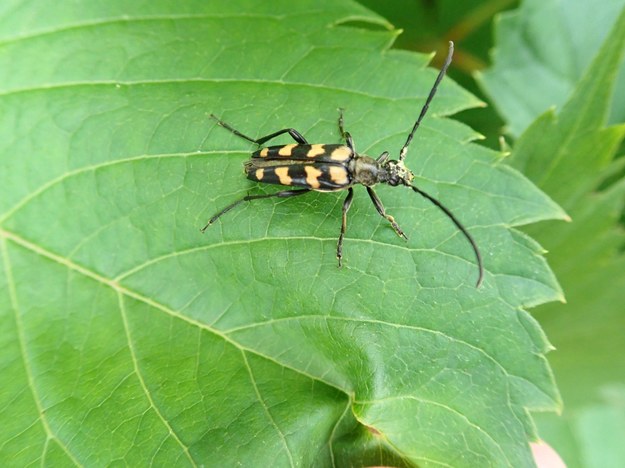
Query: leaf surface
{"points": [[128, 336]]}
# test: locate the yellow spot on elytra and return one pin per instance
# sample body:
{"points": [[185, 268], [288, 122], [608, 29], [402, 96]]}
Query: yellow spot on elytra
{"points": [[315, 150], [259, 174], [286, 150], [312, 176], [338, 175], [283, 175], [342, 153], [264, 152]]}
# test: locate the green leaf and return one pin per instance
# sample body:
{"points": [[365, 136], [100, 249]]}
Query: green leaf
{"points": [[130, 337], [542, 50]]}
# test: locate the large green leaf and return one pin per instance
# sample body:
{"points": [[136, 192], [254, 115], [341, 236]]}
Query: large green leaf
{"points": [[129, 337], [542, 50]]}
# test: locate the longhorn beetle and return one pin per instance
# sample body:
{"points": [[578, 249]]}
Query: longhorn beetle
{"points": [[334, 167]]}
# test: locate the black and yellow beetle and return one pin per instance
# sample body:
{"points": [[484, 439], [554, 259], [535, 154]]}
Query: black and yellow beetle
{"points": [[333, 167]]}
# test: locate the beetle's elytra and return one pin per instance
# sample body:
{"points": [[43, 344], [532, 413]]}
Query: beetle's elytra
{"points": [[333, 167]]}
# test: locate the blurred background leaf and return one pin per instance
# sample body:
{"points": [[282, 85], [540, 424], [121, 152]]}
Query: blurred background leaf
{"points": [[542, 50], [571, 155]]}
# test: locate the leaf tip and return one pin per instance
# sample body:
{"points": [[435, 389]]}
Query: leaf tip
{"points": [[558, 292], [560, 214]]}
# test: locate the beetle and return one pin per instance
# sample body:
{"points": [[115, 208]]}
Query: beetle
{"points": [[335, 167]]}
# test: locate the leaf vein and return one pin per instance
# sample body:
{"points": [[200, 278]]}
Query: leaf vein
{"points": [[24, 353], [266, 408], [137, 371]]}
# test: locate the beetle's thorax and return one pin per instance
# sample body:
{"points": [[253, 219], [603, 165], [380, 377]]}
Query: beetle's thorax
{"points": [[366, 170]]}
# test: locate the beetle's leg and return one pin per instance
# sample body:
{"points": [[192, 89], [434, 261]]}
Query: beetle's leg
{"points": [[297, 136], [383, 157], [378, 206], [346, 204], [344, 134], [341, 124], [282, 194]]}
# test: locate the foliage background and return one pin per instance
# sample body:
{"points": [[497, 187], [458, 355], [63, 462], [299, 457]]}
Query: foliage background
{"points": [[125, 338]]}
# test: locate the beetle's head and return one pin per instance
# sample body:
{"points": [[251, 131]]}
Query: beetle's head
{"points": [[397, 172]]}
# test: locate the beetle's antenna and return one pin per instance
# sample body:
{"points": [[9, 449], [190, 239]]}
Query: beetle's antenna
{"points": [[459, 225], [441, 74]]}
